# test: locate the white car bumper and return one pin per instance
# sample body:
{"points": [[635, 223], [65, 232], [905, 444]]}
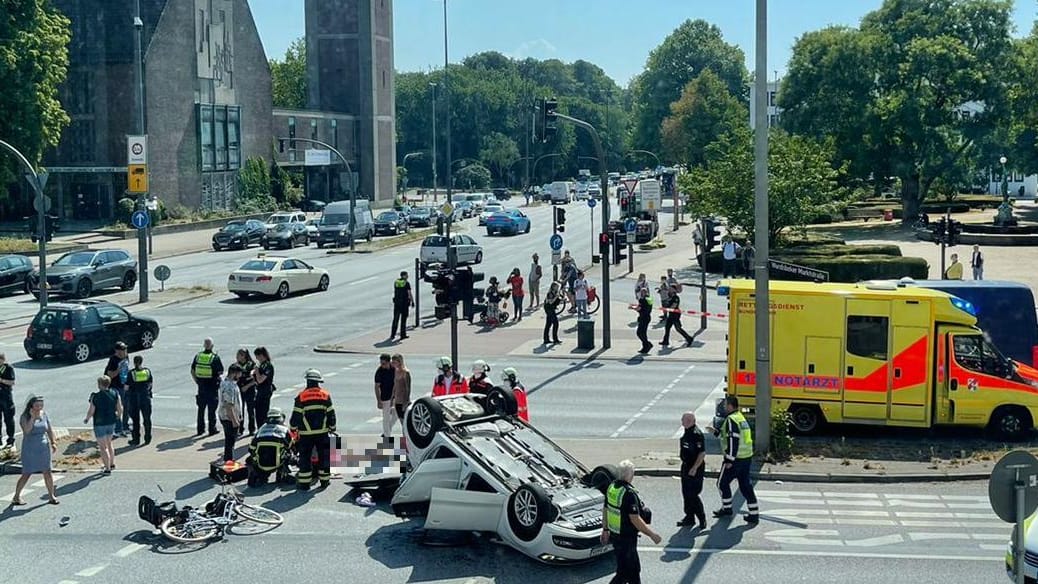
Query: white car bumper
{"points": [[253, 287]]}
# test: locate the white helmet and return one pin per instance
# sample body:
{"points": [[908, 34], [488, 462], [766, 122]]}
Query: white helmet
{"points": [[313, 375], [444, 363], [480, 366], [509, 374]]}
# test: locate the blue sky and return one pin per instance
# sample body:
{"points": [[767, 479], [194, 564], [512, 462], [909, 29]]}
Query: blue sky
{"points": [[617, 35]]}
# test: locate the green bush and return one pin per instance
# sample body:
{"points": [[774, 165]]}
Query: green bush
{"points": [[855, 268], [781, 443], [837, 250], [124, 207]]}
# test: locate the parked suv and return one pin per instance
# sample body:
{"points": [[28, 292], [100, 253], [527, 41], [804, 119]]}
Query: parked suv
{"points": [[81, 329], [79, 273], [15, 271], [285, 217]]}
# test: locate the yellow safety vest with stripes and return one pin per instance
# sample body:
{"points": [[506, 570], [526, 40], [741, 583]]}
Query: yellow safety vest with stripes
{"points": [[745, 435], [141, 375], [204, 365]]}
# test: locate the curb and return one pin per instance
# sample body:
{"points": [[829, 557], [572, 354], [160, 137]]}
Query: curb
{"points": [[809, 477]]}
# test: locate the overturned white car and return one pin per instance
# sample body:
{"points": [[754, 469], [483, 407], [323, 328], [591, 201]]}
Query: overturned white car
{"points": [[475, 466]]}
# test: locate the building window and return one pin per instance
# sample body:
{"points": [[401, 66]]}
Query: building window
{"points": [[233, 138], [867, 336], [335, 134], [205, 136], [313, 129], [771, 98], [220, 134]]}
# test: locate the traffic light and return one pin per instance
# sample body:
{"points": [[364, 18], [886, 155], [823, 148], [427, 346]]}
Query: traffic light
{"points": [[604, 241], [954, 231], [712, 230], [940, 230], [619, 246], [549, 123], [50, 226], [560, 219]]}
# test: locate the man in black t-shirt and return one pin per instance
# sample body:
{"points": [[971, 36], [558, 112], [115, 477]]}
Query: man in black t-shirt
{"points": [[693, 466], [402, 300], [384, 393], [7, 398]]}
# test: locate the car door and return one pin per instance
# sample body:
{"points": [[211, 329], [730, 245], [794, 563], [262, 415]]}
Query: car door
{"points": [[7, 273], [100, 275], [116, 325], [306, 275], [468, 507], [469, 247]]}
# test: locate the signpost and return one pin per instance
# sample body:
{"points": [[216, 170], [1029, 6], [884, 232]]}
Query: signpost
{"points": [[796, 272], [631, 228], [555, 242], [137, 182], [591, 202], [162, 273], [630, 184], [651, 198], [1013, 493]]}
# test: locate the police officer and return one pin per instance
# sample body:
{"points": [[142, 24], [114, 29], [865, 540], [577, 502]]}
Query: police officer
{"points": [[693, 466], [644, 318], [624, 519], [737, 442], [448, 381], [313, 417], [269, 450], [206, 370], [673, 315], [138, 400], [402, 300], [479, 382], [7, 398], [510, 377]]}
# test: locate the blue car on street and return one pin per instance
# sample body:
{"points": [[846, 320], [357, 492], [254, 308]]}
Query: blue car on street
{"points": [[510, 221]]}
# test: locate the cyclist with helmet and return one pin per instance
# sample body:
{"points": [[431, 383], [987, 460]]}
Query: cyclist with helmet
{"points": [[270, 450], [480, 382], [313, 417], [448, 381], [493, 296], [510, 377]]}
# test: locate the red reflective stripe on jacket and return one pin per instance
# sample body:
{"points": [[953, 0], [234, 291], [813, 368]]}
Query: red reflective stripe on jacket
{"points": [[520, 400], [458, 385]]}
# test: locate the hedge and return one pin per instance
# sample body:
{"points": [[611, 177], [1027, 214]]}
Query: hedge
{"points": [[855, 268], [835, 250]]}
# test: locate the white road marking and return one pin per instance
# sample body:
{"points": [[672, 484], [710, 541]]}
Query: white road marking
{"points": [[91, 571], [166, 396], [374, 420], [705, 411], [652, 402], [68, 582], [362, 280], [824, 554], [129, 549], [829, 537]]}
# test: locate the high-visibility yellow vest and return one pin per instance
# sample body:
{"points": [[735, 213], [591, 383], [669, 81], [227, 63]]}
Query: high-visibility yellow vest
{"points": [[204, 365], [141, 375], [400, 283], [614, 498], [745, 435]]}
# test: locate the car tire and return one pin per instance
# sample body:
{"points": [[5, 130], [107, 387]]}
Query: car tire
{"points": [[489, 233], [80, 353], [35, 356], [129, 279], [283, 291], [216, 247], [527, 230], [529, 508], [805, 419], [424, 420], [322, 284], [479, 257], [242, 294], [501, 402], [84, 288], [147, 339], [602, 476], [1011, 423]]}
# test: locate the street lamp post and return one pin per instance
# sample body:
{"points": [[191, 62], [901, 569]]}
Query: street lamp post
{"points": [[142, 205], [762, 324], [41, 219], [433, 85], [1005, 210], [657, 158], [1005, 180], [540, 158], [451, 251], [353, 182]]}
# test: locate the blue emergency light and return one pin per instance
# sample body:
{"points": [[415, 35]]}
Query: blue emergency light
{"points": [[723, 291], [964, 305]]}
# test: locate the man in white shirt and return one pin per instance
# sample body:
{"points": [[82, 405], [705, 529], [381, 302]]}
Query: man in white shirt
{"points": [[729, 251]]}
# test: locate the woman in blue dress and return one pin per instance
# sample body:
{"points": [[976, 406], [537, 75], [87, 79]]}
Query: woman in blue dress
{"points": [[37, 446]]}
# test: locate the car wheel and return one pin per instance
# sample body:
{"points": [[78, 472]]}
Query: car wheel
{"points": [[424, 420], [129, 279], [84, 288], [283, 290], [34, 355], [501, 402], [805, 419], [479, 257], [527, 230], [322, 285], [80, 353], [216, 247], [242, 294], [489, 233], [529, 508], [1011, 422], [602, 476], [147, 339]]}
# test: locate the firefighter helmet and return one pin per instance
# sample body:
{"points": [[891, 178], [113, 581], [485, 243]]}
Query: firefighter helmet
{"points": [[313, 375], [444, 363], [509, 374], [480, 366]]}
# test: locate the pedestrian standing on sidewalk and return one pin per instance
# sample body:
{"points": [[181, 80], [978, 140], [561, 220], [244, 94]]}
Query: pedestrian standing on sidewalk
{"points": [[639, 286], [729, 251], [515, 280], [7, 398], [247, 387], [230, 410], [568, 271], [977, 263], [580, 287], [105, 409], [384, 378], [138, 398], [644, 318], [264, 376], [673, 314], [533, 281], [551, 314], [402, 301], [664, 294], [748, 253], [38, 445], [206, 369], [401, 388], [737, 444], [954, 271], [692, 448], [625, 517], [118, 370]]}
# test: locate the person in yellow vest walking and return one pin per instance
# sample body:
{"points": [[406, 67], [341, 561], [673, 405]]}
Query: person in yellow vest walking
{"points": [[403, 299], [737, 443], [206, 370], [138, 400], [625, 517], [313, 417]]}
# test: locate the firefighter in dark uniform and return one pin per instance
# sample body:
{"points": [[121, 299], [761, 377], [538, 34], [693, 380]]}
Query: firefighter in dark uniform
{"points": [[270, 450], [693, 468], [206, 370], [737, 442], [313, 417], [625, 517], [480, 382], [644, 318], [138, 398], [402, 300]]}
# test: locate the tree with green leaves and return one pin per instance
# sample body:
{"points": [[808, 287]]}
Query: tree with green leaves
{"points": [[254, 187], [473, 177], [893, 91], [692, 48], [802, 181], [705, 111], [499, 152], [288, 77], [34, 38]]}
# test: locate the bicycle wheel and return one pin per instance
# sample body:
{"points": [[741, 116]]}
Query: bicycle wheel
{"points": [[258, 514], [190, 531], [594, 305], [560, 308]]}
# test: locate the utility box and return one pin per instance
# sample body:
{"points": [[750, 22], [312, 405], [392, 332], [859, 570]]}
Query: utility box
{"points": [[585, 333]]}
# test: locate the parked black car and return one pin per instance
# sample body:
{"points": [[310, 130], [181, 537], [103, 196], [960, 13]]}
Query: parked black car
{"points": [[14, 273], [81, 329], [390, 223], [502, 194], [422, 217], [312, 206], [239, 234], [79, 273], [286, 235]]}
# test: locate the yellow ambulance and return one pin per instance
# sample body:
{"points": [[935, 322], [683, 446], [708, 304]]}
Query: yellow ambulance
{"points": [[877, 353]]}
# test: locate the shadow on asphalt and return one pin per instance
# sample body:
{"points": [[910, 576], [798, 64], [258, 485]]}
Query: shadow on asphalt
{"points": [[47, 363], [290, 499], [194, 488], [160, 544], [587, 364], [67, 488], [175, 444]]}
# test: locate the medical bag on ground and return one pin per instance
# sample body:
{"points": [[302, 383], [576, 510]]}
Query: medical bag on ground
{"points": [[230, 471]]}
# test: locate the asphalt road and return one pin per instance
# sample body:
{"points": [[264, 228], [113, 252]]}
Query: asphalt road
{"points": [[829, 533]]}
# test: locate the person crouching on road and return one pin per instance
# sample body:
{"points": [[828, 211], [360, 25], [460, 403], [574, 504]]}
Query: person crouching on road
{"points": [[138, 398], [626, 517], [448, 381], [269, 450], [510, 377], [230, 410], [313, 418], [693, 467], [493, 296], [737, 443], [384, 380], [480, 382], [401, 388]]}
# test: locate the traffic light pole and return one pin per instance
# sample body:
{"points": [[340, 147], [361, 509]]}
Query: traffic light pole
{"points": [[41, 219], [702, 275], [417, 292], [762, 324], [142, 204], [603, 172]]}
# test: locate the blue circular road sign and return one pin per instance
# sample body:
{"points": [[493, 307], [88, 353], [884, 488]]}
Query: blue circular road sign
{"points": [[591, 202], [630, 225], [555, 242], [140, 219]]}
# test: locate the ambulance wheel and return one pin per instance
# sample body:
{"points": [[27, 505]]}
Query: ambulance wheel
{"points": [[603, 476], [1011, 422], [424, 420], [805, 419], [502, 402], [528, 510]]}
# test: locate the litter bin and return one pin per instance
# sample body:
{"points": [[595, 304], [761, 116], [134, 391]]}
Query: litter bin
{"points": [[585, 333]]}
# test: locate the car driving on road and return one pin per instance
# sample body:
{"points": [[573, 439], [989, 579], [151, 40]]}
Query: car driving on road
{"points": [[79, 273], [489, 210], [15, 273], [508, 222], [285, 217], [286, 235], [434, 250], [239, 234], [391, 223], [276, 276], [465, 208], [80, 329]]}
